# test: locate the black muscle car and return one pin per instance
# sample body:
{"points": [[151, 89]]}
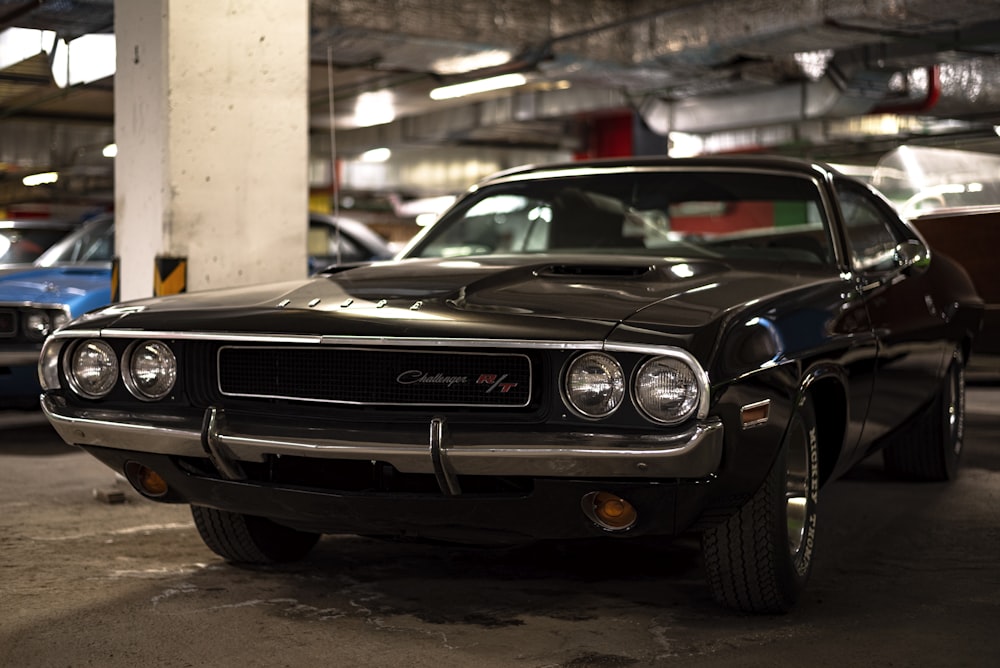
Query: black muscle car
{"points": [[618, 349]]}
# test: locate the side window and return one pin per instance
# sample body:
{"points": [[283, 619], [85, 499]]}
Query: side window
{"points": [[504, 223], [350, 251], [870, 235], [93, 244], [98, 248], [321, 244]]}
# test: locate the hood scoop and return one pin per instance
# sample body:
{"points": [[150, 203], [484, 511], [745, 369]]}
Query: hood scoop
{"points": [[595, 270]]}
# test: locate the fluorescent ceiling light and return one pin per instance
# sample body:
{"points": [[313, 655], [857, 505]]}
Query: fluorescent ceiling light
{"points": [[471, 62], [40, 179], [376, 155], [684, 145], [814, 63], [374, 108], [87, 58], [17, 44], [478, 86]]}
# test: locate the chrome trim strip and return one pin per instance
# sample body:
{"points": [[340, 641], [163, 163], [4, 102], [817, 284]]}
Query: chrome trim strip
{"points": [[187, 336], [446, 479], [217, 451], [571, 171], [40, 306], [677, 353], [693, 453], [402, 341], [306, 339]]}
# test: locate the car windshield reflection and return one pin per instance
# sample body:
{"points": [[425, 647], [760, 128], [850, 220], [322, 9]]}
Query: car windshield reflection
{"points": [[656, 213]]}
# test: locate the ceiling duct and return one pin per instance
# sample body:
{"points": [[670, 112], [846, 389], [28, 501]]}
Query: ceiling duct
{"points": [[688, 66]]}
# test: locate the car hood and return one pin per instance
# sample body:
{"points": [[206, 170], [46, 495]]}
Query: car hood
{"points": [[521, 298], [13, 267], [55, 285]]}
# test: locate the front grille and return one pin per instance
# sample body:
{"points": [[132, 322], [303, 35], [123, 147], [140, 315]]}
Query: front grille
{"points": [[8, 323], [378, 377]]}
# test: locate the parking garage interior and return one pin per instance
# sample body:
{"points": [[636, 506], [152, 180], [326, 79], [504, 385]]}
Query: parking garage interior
{"points": [[204, 122]]}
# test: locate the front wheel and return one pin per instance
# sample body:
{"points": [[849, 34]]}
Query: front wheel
{"points": [[759, 559], [247, 539]]}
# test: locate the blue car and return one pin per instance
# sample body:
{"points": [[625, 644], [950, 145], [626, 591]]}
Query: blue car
{"points": [[74, 276], [70, 278], [23, 240]]}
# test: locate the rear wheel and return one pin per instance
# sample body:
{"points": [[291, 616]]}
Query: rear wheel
{"points": [[250, 540], [931, 446], [759, 559]]}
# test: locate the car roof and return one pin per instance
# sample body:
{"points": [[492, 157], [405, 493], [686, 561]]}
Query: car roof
{"points": [[358, 230], [36, 224], [795, 165]]}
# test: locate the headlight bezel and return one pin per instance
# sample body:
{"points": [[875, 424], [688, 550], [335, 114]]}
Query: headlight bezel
{"points": [[71, 373], [673, 359], [129, 374], [621, 391], [634, 359], [49, 363]]}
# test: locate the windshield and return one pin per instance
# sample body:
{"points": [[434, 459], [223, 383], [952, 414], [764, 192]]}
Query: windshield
{"points": [[19, 245], [93, 242], [655, 212]]}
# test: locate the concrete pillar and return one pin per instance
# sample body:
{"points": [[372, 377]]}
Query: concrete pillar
{"points": [[211, 123]]}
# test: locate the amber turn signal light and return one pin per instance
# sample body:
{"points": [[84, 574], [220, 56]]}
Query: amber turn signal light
{"points": [[146, 480], [609, 511]]}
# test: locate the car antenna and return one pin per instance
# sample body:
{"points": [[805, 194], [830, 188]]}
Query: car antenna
{"points": [[333, 151]]}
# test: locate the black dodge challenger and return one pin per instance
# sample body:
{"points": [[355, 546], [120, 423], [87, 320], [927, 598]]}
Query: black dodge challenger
{"points": [[629, 349]]}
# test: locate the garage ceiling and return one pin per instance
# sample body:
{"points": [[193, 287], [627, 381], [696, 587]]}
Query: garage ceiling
{"points": [[839, 80]]}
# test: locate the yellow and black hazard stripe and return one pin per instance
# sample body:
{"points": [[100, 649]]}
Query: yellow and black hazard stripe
{"points": [[116, 280], [170, 277]]}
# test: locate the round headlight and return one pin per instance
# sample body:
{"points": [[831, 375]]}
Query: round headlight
{"points": [[93, 369], [667, 390], [151, 370], [37, 325], [595, 385]]}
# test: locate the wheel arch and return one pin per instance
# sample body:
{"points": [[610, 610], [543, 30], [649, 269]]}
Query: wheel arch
{"points": [[825, 387]]}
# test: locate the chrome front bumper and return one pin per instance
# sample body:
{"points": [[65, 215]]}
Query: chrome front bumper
{"points": [[20, 357], [445, 450]]}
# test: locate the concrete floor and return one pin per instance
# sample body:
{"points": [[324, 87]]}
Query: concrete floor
{"points": [[906, 575]]}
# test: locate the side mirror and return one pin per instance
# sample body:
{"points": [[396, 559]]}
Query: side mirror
{"points": [[912, 256]]}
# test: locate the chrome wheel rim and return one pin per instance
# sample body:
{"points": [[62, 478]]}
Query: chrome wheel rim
{"points": [[956, 399], [797, 489]]}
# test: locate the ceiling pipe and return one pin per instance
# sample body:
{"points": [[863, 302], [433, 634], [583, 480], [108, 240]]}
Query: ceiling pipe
{"points": [[8, 18], [772, 106], [916, 107]]}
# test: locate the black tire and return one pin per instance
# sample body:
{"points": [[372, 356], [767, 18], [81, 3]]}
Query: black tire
{"points": [[931, 447], [246, 539], [759, 559]]}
